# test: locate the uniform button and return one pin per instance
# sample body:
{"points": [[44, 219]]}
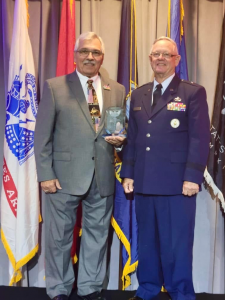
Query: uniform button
{"points": [[93, 158], [148, 149], [148, 134], [149, 121]]}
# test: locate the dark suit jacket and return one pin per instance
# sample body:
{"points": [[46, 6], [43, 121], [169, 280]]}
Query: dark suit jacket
{"points": [[159, 156], [66, 145]]}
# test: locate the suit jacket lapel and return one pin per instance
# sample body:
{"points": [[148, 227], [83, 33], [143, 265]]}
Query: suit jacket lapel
{"points": [[77, 89], [106, 99], [147, 98], [167, 96]]}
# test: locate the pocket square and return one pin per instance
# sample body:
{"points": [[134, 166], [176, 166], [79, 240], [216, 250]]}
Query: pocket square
{"points": [[137, 108]]}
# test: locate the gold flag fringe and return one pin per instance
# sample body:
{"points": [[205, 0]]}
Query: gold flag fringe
{"points": [[17, 275]]}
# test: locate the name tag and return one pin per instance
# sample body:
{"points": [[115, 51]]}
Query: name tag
{"points": [[176, 106], [136, 108]]}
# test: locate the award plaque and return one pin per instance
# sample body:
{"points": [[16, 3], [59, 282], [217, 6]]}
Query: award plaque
{"points": [[115, 121]]}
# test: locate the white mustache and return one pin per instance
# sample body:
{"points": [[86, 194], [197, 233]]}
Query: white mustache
{"points": [[89, 62]]}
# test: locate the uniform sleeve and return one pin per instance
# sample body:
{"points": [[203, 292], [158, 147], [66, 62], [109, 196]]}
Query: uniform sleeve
{"points": [[128, 161], [199, 137], [43, 137]]}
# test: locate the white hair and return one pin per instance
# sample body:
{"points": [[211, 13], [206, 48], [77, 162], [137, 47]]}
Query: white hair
{"points": [[89, 36], [165, 38]]}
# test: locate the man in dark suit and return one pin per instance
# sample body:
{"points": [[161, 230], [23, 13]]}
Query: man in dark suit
{"points": [[163, 162], [75, 163]]}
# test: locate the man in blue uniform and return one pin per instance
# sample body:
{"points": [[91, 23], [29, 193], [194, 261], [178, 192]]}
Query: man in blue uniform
{"points": [[163, 163]]}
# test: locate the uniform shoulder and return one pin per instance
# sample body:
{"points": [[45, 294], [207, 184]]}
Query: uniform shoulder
{"points": [[141, 88], [191, 83], [143, 85]]}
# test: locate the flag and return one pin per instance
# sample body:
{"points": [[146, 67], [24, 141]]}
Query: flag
{"points": [[66, 65], [20, 192], [124, 217], [65, 59], [175, 31], [215, 171]]}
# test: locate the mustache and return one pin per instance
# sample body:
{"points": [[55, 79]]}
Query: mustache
{"points": [[87, 61]]}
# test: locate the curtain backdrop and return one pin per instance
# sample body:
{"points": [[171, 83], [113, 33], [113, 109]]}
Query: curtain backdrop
{"points": [[203, 23]]}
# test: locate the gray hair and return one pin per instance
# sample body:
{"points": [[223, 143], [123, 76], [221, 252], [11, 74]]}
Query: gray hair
{"points": [[165, 38], [89, 36]]}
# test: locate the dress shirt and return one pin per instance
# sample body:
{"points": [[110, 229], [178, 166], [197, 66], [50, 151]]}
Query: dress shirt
{"points": [[96, 84], [164, 84]]}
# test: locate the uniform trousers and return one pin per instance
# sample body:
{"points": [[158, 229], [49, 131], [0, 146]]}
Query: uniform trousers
{"points": [[59, 224], [165, 245]]}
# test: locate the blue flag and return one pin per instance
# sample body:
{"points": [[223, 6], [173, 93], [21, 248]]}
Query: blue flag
{"points": [[175, 31], [124, 217]]}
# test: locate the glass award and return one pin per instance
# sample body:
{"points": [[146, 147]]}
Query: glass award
{"points": [[115, 121]]}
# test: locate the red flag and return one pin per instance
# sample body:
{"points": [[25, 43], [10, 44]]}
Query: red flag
{"points": [[65, 65], [65, 59]]}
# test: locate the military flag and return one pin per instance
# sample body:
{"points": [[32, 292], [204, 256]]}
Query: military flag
{"points": [[175, 30], [65, 59], [20, 192], [66, 65], [215, 171], [124, 217]]}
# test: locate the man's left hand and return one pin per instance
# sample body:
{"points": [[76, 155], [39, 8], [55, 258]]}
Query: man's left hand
{"points": [[115, 140], [190, 188]]}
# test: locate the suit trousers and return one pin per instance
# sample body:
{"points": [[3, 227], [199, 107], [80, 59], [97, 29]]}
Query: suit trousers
{"points": [[165, 245], [59, 224]]}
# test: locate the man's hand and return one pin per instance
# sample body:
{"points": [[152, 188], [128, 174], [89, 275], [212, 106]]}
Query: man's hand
{"points": [[50, 186], [128, 185], [115, 140], [190, 188]]}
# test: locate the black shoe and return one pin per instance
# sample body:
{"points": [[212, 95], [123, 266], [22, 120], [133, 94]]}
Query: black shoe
{"points": [[136, 298], [93, 296], [60, 297]]}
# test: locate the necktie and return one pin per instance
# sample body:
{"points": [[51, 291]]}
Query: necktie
{"points": [[93, 105], [156, 95]]}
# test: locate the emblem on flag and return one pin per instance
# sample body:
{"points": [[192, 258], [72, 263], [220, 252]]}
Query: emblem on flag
{"points": [[20, 117]]}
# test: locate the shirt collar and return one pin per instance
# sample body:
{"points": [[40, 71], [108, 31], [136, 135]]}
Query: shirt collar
{"points": [[84, 79], [164, 84]]}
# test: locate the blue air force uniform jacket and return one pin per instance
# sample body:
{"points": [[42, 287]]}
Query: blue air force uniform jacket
{"points": [[170, 144]]}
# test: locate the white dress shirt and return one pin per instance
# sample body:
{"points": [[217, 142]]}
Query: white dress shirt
{"points": [[96, 84]]}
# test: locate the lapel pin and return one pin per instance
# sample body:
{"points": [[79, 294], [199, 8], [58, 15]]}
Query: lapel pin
{"points": [[171, 90], [177, 99], [106, 87]]}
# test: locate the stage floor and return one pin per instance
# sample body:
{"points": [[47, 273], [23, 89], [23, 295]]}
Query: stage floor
{"points": [[18, 293]]}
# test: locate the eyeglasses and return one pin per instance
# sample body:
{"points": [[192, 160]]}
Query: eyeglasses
{"points": [[85, 53], [164, 55]]}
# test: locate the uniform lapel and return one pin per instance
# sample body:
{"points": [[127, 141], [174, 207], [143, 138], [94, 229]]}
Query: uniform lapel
{"points": [[77, 90], [167, 96], [147, 98]]}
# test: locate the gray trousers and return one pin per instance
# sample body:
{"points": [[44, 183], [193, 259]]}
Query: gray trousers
{"points": [[59, 224]]}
